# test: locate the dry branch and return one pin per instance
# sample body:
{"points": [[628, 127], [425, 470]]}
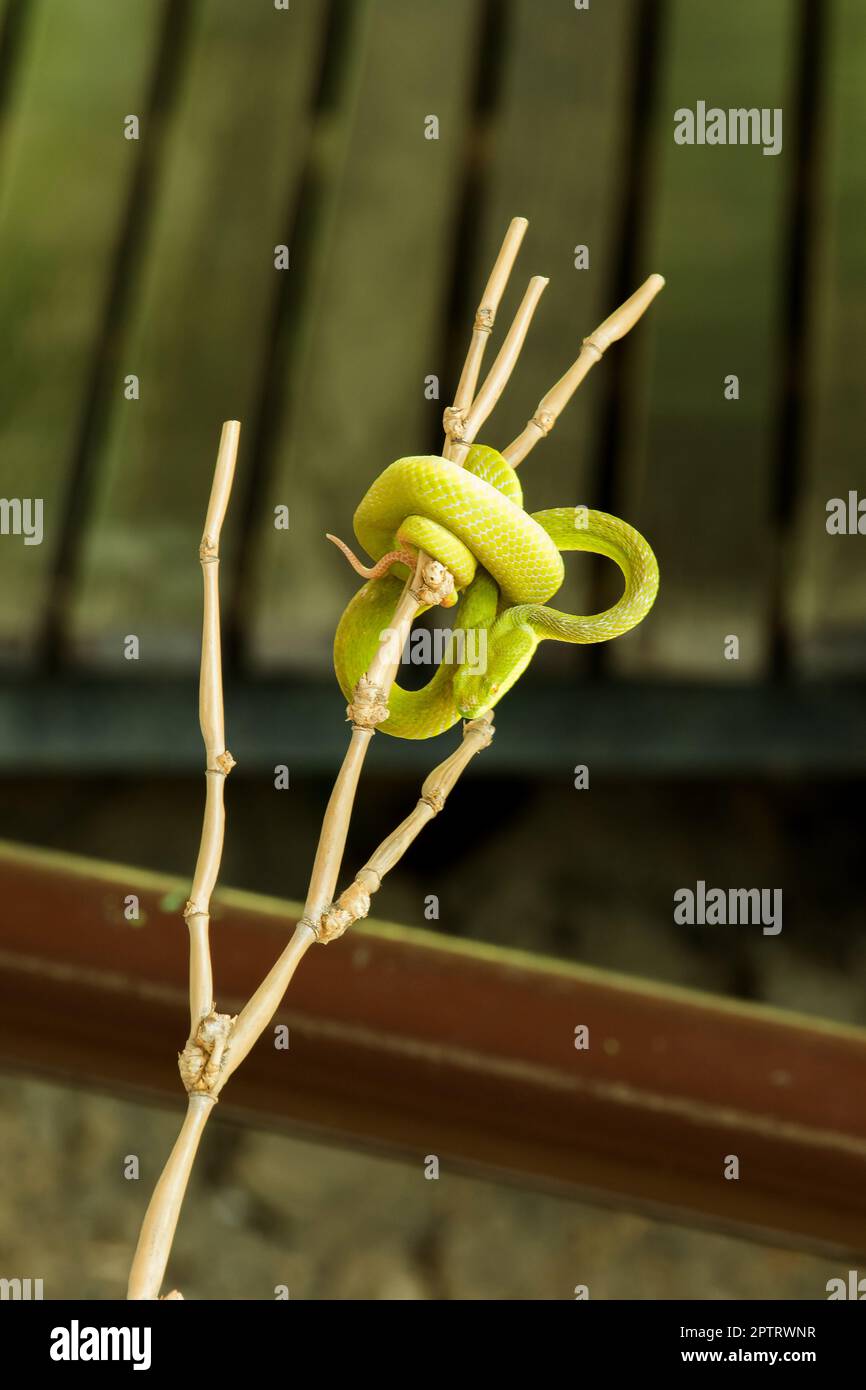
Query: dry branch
{"points": [[200, 1060], [354, 901], [551, 406], [217, 1043], [485, 317], [463, 431]]}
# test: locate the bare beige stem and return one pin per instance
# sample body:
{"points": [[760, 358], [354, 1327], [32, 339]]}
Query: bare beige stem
{"points": [[205, 1048], [485, 317], [551, 406], [160, 1221], [335, 827], [354, 901], [257, 1013], [197, 911], [463, 431], [219, 761]]}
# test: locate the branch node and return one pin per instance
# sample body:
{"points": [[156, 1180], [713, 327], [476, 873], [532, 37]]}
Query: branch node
{"points": [[435, 584], [368, 706], [193, 910], [454, 421], [483, 727], [370, 878], [208, 550], [593, 346], [352, 904], [204, 1056], [224, 762], [544, 422]]}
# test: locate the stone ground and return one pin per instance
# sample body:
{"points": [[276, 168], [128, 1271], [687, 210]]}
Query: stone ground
{"points": [[586, 877], [265, 1210]]}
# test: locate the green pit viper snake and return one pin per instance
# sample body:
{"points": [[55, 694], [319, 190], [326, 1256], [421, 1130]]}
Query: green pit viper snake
{"points": [[506, 563]]}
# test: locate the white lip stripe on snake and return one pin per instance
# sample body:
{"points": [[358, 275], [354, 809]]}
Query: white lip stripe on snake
{"points": [[507, 563]]}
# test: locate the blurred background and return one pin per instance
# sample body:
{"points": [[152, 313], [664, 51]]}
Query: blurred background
{"points": [[154, 258]]}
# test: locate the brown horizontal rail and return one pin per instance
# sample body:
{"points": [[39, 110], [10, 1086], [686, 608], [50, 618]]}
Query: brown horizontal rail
{"points": [[411, 1044]]}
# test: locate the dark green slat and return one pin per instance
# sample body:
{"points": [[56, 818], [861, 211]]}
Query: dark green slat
{"points": [[701, 479], [827, 573], [556, 159], [198, 332], [96, 727], [355, 402], [64, 176]]}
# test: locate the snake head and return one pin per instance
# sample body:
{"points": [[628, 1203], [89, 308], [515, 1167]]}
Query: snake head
{"points": [[476, 694], [503, 657]]}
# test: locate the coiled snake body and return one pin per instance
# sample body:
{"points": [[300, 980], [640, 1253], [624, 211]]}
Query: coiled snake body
{"points": [[506, 562]]}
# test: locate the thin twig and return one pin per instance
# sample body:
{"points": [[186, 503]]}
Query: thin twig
{"points": [[498, 377], [354, 901], [551, 406], [485, 317], [200, 1060], [160, 1220], [219, 761]]}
